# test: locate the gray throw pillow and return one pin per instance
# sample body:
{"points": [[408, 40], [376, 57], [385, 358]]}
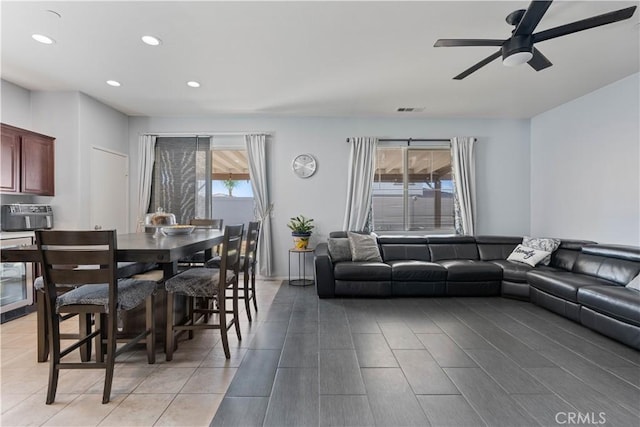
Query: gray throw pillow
{"points": [[543, 244], [364, 247], [339, 249]]}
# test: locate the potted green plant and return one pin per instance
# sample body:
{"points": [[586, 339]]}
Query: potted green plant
{"points": [[301, 227]]}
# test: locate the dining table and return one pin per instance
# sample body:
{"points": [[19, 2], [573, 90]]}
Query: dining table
{"points": [[149, 248], [165, 250]]}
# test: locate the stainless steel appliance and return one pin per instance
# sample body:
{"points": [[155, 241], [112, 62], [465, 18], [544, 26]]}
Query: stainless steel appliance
{"points": [[16, 283], [20, 216]]}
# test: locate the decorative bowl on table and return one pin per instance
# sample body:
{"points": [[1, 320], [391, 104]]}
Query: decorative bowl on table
{"points": [[173, 230]]}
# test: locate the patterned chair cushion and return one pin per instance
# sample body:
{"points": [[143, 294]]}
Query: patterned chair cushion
{"points": [[196, 282], [131, 293]]}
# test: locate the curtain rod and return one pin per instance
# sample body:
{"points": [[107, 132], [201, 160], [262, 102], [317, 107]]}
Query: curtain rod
{"points": [[197, 134], [410, 140]]}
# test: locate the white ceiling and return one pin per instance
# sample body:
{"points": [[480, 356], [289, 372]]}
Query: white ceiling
{"points": [[308, 58]]}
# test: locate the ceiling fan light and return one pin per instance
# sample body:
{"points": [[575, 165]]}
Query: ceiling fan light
{"points": [[517, 58]]}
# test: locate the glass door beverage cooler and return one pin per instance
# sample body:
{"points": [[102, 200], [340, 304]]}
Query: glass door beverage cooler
{"points": [[16, 283]]}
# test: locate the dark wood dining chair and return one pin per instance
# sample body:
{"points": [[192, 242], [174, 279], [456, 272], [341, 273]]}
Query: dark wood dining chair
{"points": [[84, 323], [198, 259], [125, 269], [248, 264], [93, 257], [208, 284], [215, 223]]}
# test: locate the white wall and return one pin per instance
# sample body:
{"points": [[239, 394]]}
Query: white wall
{"points": [[15, 110], [585, 167], [98, 126], [16, 105], [502, 156], [78, 122], [56, 114]]}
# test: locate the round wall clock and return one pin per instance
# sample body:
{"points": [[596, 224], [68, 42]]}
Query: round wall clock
{"points": [[304, 165]]}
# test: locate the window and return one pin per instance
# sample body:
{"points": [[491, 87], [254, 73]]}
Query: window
{"points": [[195, 179], [413, 190], [231, 186]]}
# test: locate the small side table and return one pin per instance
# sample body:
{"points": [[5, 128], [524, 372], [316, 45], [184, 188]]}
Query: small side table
{"points": [[302, 267]]}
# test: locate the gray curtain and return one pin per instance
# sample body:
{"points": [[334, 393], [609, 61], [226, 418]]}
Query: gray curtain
{"points": [[256, 155], [174, 177], [146, 159], [362, 167], [464, 177]]}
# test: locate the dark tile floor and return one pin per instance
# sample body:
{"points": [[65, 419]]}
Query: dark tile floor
{"points": [[427, 361]]}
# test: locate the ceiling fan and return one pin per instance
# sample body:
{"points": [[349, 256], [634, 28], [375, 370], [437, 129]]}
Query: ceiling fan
{"points": [[519, 48]]}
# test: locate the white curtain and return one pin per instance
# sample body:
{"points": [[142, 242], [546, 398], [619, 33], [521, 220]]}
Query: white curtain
{"points": [[146, 157], [464, 170], [256, 154], [361, 172]]}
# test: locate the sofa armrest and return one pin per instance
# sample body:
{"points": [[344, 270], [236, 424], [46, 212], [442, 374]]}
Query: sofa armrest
{"points": [[325, 282]]}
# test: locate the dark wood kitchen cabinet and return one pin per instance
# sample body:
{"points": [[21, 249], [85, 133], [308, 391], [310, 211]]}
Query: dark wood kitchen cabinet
{"points": [[27, 162]]}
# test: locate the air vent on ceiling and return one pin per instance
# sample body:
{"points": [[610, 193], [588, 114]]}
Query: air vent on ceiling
{"points": [[410, 109]]}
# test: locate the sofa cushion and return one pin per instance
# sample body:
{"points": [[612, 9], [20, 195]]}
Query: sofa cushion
{"points": [[629, 253], [397, 251], [462, 247], [496, 247], [567, 253], [364, 247], [546, 244], [465, 270], [563, 284], [615, 301], [527, 255], [634, 284], [402, 240], [513, 271], [362, 271], [417, 271], [339, 249], [619, 264]]}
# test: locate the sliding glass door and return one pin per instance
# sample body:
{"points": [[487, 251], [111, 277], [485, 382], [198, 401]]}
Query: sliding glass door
{"points": [[202, 177]]}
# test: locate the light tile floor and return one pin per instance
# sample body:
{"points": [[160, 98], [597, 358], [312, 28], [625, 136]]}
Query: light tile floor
{"points": [[184, 392]]}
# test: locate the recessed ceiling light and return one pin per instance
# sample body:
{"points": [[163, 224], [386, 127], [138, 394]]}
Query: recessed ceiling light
{"points": [[43, 39], [193, 84], [113, 83], [151, 40]]}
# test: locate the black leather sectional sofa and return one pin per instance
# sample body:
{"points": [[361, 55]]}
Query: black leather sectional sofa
{"points": [[584, 281]]}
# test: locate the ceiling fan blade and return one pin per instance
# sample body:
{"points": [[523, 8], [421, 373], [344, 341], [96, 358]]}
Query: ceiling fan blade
{"points": [[531, 18], [539, 61], [467, 42], [585, 24], [479, 65]]}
